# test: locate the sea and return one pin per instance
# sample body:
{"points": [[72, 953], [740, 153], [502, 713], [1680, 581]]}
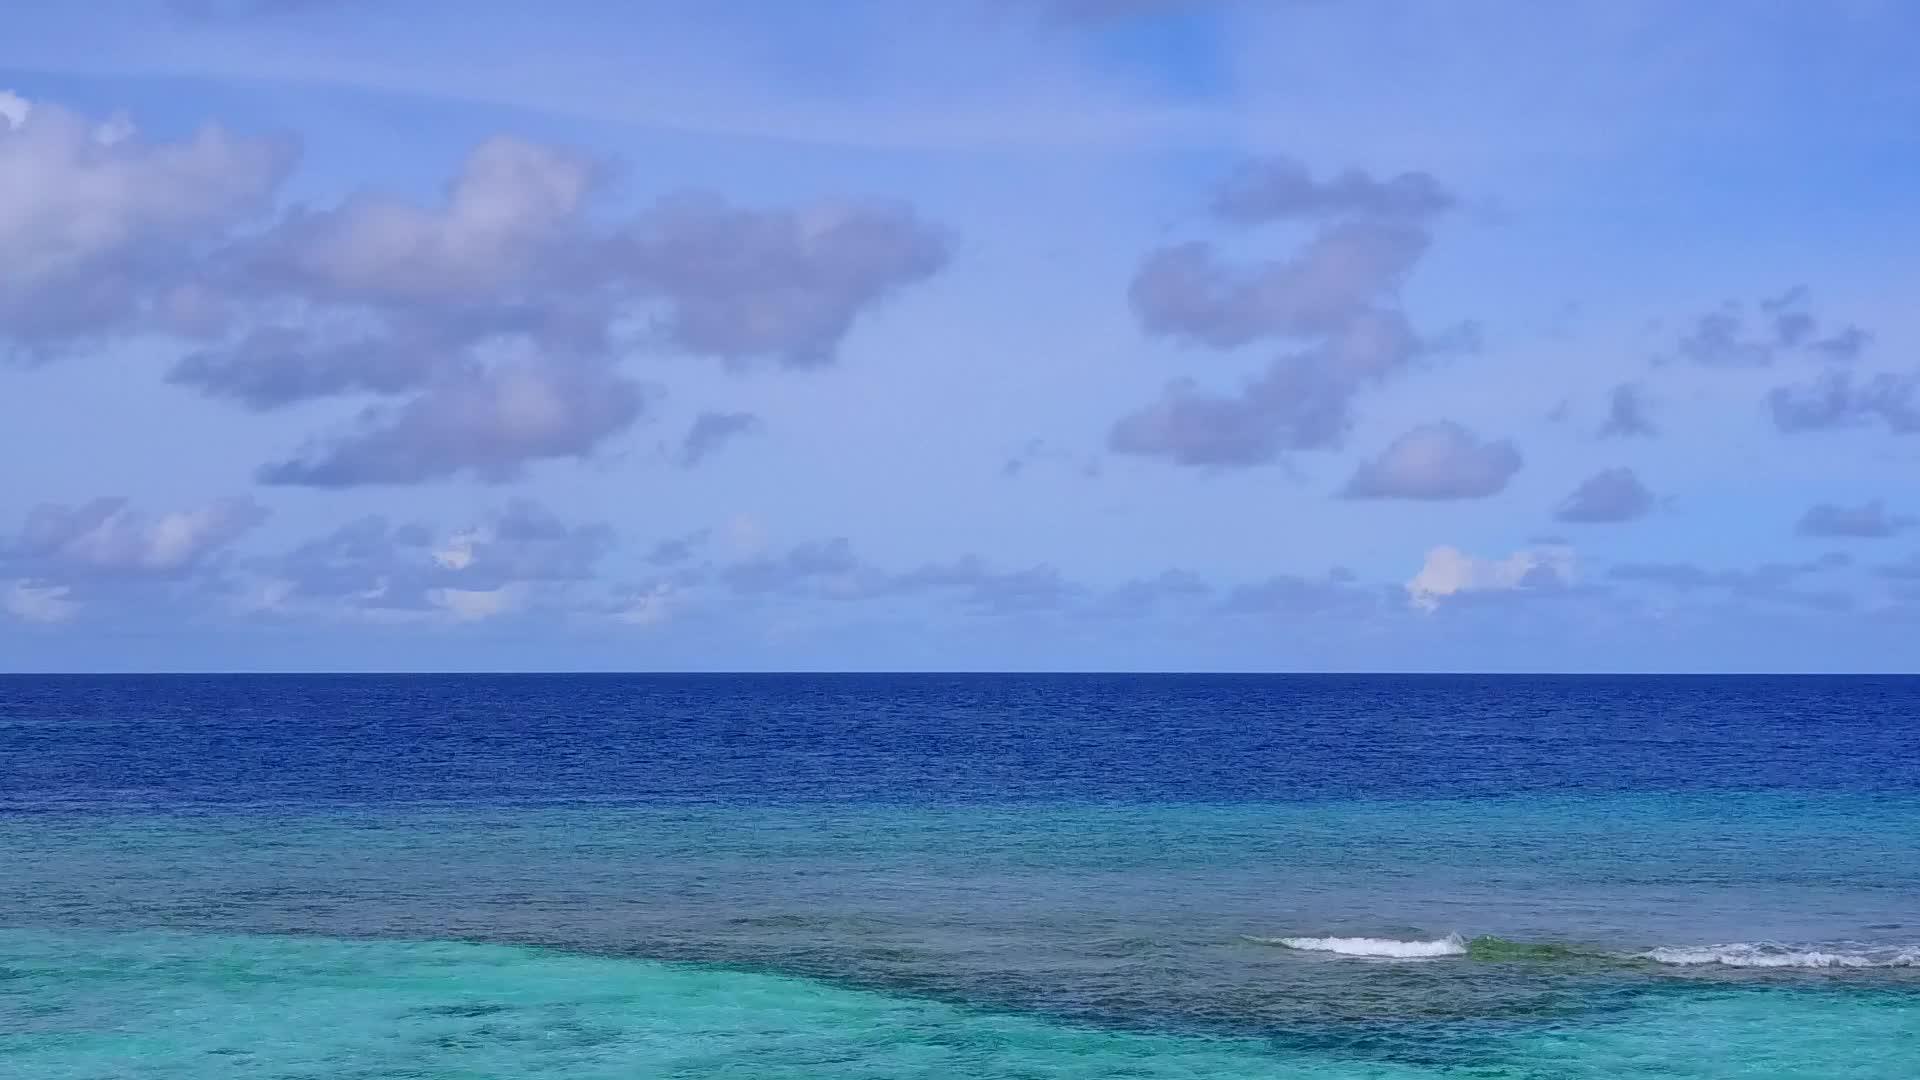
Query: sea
{"points": [[1043, 877]]}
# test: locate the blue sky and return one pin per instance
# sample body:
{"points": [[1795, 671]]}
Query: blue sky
{"points": [[977, 334]]}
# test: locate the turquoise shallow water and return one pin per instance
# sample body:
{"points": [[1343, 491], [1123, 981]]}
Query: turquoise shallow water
{"points": [[1012, 941], [79, 1007], [984, 878]]}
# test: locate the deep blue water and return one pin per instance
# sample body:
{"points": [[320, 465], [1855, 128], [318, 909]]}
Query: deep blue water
{"points": [[950, 875], [176, 740]]}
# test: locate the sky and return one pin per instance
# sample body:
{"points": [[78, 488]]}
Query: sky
{"points": [[1130, 335]]}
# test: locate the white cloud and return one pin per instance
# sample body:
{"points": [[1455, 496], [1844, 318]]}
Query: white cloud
{"points": [[1448, 571], [458, 552], [14, 108], [38, 603], [651, 607], [97, 224], [106, 536], [473, 605]]}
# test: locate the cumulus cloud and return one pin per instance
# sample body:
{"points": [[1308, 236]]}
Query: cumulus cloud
{"points": [[517, 558], [490, 422], [1869, 520], [33, 602], [1336, 300], [473, 605], [788, 284], [712, 430], [1839, 399], [650, 604], [1187, 292], [1449, 572], [1610, 495], [1436, 461], [1731, 336], [1627, 413], [1274, 189], [107, 537], [268, 367], [101, 229], [489, 322], [1302, 402], [510, 220]]}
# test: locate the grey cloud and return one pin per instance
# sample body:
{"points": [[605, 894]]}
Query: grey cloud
{"points": [[801, 565], [1291, 595], [488, 423], [102, 228], [676, 550], [1627, 413], [271, 366], [1288, 408], [497, 313], [1337, 298], [1147, 596], [1868, 520], [1837, 399], [712, 430], [1610, 495], [1186, 292], [789, 284], [1018, 462], [1436, 461], [510, 225], [514, 249], [1771, 582], [517, 556], [1675, 574], [525, 540], [1275, 189], [990, 590], [1302, 401], [360, 557], [834, 568], [1728, 337], [1035, 452], [107, 537]]}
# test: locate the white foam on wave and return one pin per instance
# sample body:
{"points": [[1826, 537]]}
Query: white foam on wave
{"points": [[1770, 955], [1379, 948]]}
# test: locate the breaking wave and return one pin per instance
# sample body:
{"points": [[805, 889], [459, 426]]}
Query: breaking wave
{"points": [[1381, 948], [1770, 955], [1736, 955]]}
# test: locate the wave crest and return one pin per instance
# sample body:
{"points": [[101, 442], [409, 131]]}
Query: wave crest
{"points": [[1770, 955], [1380, 948]]}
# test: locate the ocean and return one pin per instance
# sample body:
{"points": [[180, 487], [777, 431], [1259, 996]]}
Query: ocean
{"points": [[973, 876]]}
